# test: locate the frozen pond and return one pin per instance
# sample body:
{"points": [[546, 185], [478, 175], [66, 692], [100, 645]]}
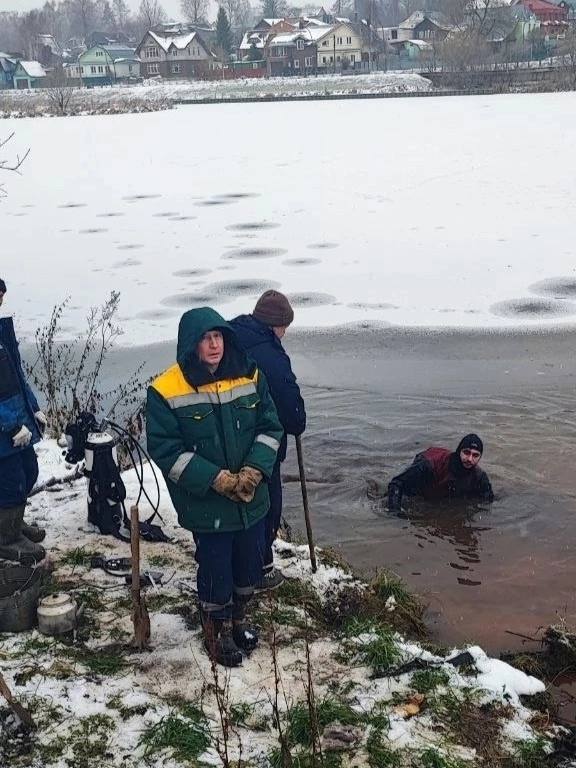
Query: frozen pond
{"points": [[410, 212]]}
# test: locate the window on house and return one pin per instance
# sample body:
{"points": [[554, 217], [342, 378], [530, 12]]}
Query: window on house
{"points": [[130, 68], [175, 52], [101, 69], [394, 35], [151, 52], [323, 59], [296, 64], [175, 69], [308, 61], [93, 70], [325, 42], [81, 70], [300, 45], [153, 69], [352, 57], [339, 40], [337, 58], [348, 41]]}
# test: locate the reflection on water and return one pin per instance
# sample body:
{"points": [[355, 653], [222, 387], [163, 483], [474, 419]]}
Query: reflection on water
{"points": [[483, 569]]}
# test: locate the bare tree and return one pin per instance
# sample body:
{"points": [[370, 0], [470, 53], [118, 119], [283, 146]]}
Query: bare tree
{"points": [[194, 10], [239, 13], [150, 14], [274, 9], [60, 91], [121, 13], [13, 164]]}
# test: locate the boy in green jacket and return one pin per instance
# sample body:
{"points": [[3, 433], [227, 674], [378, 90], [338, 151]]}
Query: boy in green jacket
{"points": [[213, 430]]}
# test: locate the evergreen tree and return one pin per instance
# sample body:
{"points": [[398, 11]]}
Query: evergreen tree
{"points": [[223, 32]]}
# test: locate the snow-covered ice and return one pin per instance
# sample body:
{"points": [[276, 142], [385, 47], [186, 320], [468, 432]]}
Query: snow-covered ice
{"points": [[413, 212]]}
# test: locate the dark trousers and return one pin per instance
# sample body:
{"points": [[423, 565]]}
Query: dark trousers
{"points": [[229, 566], [274, 515], [18, 473]]}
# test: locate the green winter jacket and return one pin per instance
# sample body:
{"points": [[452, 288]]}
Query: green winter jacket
{"points": [[198, 423]]}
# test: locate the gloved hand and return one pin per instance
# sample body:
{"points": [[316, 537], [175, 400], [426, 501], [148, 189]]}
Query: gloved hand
{"points": [[225, 483], [248, 480], [22, 438], [41, 420]]}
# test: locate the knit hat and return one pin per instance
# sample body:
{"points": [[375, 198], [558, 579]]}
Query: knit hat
{"points": [[2, 286], [471, 441], [273, 308]]}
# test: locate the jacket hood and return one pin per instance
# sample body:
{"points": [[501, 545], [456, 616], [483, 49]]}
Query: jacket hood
{"points": [[193, 325]]}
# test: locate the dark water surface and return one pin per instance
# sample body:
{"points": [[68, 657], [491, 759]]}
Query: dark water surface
{"points": [[375, 397]]}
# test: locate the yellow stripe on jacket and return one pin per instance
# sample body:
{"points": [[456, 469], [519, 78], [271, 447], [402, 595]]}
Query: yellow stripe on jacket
{"points": [[178, 393]]}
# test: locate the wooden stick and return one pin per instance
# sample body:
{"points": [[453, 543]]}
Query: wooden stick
{"points": [[76, 475], [17, 708], [140, 616], [305, 504]]}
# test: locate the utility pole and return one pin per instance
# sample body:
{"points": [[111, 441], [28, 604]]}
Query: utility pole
{"points": [[334, 53]]}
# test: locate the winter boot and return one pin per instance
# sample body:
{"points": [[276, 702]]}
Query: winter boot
{"points": [[219, 642], [33, 532], [272, 579], [13, 545], [245, 635]]}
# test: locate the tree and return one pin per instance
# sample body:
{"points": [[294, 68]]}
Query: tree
{"points": [[274, 9], [223, 33], [195, 10], [121, 14], [13, 165], [150, 14], [239, 13]]}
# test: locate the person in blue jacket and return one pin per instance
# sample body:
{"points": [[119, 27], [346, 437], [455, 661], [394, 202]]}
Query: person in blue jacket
{"points": [[21, 426], [260, 334]]}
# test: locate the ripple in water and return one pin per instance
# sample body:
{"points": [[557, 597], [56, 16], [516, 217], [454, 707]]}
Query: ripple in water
{"points": [[111, 215], [155, 314], [192, 300], [137, 198], [255, 253], [194, 272], [301, 262], [559, 287], [304, 300], [73, 205], [166, 214], [533, 308], [368, 305], [214, 201], [182, 218], [126, 263], [234, 288], [252, 226], [238, 195], [129, 246], [323, 246], [92, 231]]}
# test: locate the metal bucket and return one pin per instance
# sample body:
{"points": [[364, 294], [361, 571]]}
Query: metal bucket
{"points": [[19, 593]]}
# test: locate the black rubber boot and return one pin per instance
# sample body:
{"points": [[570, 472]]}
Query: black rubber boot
{"points": [[245, 635], [13, 545], [33, 532], [219, 642]]}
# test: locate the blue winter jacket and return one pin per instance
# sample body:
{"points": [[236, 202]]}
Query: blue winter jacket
{"points": [[265, 348], [17, 401]]}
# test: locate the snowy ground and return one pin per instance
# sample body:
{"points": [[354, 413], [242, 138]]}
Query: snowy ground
{"points": [[192, 90], [417, 212], [93, 713]]}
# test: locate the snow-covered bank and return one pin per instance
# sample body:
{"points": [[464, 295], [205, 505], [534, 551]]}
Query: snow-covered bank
{"points": [[396, 212], [378, 694], [159, 94]]}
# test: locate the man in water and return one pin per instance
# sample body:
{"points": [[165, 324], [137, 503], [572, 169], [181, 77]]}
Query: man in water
{"points": [[438, 473]]}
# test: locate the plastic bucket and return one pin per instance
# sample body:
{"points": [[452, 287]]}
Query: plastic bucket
{"points": [[19, 593]]}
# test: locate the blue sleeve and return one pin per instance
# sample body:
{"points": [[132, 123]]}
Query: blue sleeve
{"points": [[286, 395], [31, 397]]}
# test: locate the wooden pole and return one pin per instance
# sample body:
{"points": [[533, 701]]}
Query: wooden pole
{"points": [[140, 616], [15, 706], [305, 504]]}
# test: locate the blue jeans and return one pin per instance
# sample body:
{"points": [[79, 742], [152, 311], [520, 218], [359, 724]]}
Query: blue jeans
{"points": [[18, 473], [274, 516], [229, 566]]}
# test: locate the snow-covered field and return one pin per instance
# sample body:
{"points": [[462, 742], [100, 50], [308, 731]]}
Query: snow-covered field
{"points": [[416, 212]]}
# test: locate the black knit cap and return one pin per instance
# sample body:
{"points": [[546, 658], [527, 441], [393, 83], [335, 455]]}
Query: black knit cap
{"points": [[471, 441], [273, 309], [3, 288]]}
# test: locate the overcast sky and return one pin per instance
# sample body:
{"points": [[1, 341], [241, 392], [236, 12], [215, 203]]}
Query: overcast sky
{"points": [[172, 7]]}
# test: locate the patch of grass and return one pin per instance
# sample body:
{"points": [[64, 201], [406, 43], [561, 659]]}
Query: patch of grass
{"points": [[331, 558], [185, 732], [85, 746], [125, 712], [77, 556], [159, 561], [431, 758], [107, 660], [280, 615], [165, 603], [303, 759], [532, 753], [380, 755], [426, 680], [328, 710], [301, 594], [408, 608], [380, 651]]}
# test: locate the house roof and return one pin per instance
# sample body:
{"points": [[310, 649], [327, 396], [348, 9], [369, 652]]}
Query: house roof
{"points": [[179, 41], [419, 16], [33, 68], [539, 5], [422, 44], [254, 40]]}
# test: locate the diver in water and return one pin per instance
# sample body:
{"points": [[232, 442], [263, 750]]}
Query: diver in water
{"points": [[438, 473]]}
